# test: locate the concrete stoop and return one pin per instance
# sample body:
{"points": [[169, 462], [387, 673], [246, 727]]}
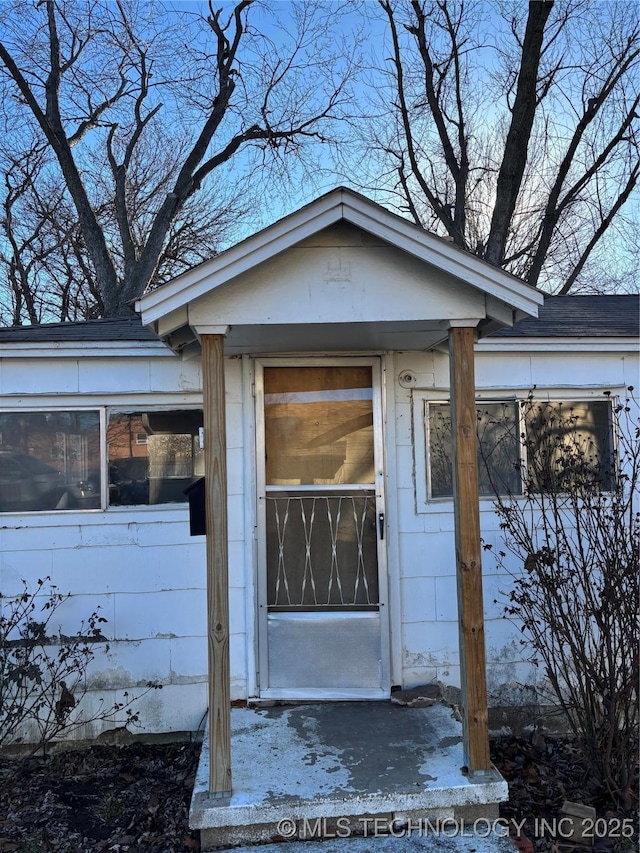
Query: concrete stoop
{"points": [[389, 844], [346, 771]]}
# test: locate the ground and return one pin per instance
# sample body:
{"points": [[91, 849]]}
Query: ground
{"points": [[128, 798], [136, 798], [544, 773]]}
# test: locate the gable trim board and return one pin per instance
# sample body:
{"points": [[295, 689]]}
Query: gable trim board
{"points": [[165, 307]]}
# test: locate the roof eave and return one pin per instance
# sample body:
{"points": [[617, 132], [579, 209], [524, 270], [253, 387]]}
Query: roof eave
{"points": [[552, 343], [83, 349], [340, 204]]}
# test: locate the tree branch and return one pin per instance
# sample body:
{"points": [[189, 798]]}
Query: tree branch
{"points": [[440, 209], [50, 122], [517, 141], [600, 230], [555, 206], [459, 170]]}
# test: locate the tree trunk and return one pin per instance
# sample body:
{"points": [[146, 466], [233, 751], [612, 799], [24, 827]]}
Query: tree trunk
{"points": [[517, 143]]}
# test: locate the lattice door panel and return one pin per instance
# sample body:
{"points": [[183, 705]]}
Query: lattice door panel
{"points": [[321, 550]]}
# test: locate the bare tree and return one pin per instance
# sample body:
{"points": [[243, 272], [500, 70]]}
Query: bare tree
{"points": [[45, 273], [138, 106], [45, 269], [512, 129]]}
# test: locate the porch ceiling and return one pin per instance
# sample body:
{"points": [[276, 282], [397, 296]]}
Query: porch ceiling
{"points": [[340, 274], [321, 338]]}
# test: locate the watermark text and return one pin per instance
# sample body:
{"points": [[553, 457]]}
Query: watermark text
{"points": [[450, 827]]}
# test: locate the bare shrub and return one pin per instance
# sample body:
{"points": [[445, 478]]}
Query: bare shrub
{"points": [[575, 532], [42, 673]]}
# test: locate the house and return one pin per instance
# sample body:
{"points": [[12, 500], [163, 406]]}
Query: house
{"points": [[312, 373]]}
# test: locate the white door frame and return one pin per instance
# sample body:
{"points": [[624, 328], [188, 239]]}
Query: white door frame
{"points": [[375, 362]]}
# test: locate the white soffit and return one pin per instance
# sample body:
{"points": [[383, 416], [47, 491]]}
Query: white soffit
{"points": [[339, 205]]}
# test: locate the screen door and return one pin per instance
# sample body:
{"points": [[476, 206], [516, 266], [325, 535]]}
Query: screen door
{"points": [[322, 534]]}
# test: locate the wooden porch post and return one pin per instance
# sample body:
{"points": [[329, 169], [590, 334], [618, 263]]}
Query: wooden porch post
{"points": [[215, 466], [475, 723]]}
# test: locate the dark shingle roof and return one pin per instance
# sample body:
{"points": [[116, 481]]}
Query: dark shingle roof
{"points": [[120, 329], [560, 316], [581, 317]]}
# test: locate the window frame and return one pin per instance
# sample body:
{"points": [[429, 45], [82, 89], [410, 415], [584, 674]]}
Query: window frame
{"points": [[133, 409], [103, 410], [421, 399]]}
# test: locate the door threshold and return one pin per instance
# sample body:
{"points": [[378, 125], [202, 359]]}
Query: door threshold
{"points": [[322, 695]]}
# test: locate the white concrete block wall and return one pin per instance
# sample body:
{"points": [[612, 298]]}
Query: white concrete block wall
{"points": [[429, 630], [139, 566], [491, 373], [31, 378], [97, 376], [564, 370], [148, 576], [19, 376]]}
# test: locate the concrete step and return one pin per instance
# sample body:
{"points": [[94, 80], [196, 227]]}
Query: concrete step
{"points": [[340, 766]]}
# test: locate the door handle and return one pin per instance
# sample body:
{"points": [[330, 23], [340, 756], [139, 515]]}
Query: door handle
{"points": [[381, 524]]}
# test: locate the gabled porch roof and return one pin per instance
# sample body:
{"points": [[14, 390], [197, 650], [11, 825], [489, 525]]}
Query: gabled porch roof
{"points": [[378, 280], [340, 274]]}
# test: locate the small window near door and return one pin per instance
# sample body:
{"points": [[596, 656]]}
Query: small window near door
{"points": [[569, 442], [153, 456], [498, 449]]}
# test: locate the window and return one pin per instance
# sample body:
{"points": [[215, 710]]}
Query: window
{"points": [[158, 469], [49, 461], [529, 444], [53, 460], [569, 442], [318, 425], [498, 448]]}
